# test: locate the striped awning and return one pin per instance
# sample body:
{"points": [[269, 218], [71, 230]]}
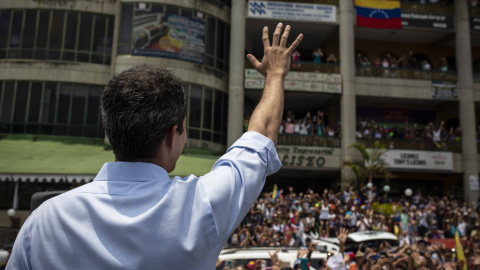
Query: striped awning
{"points": [[47, 178]]}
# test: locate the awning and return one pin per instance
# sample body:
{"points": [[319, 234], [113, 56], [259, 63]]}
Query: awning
{"points": [[47, 178]]}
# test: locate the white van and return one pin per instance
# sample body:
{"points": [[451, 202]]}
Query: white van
{"points": [[288, 256], [368, 238]]}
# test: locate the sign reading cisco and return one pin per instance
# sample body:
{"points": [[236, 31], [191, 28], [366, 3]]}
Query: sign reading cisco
{"points": [[292, 11], [311, 157]]}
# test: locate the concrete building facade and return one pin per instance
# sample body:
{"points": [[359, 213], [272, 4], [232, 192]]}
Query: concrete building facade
{"points": [[56, 55]]}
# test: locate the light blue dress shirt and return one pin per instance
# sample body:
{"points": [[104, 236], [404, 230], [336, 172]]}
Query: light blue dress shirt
{"points": [[132, 216]]}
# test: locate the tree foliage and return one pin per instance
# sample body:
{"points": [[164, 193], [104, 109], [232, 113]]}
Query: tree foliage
{"points": [[369, 163]]}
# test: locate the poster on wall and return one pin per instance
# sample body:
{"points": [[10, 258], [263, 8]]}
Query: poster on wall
{"points": [[418, 160], [428, 20], [444, 90], [169, 36], [292, 11]]}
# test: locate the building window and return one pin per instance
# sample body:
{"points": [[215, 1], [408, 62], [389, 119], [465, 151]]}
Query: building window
{"points": [[144, 28], [56, 35], [206, 114], [50, 108]]}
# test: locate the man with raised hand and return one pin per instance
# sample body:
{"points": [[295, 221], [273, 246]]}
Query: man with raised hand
{"points": [[132, 216]]}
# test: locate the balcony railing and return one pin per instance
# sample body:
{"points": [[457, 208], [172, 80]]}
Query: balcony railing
{"points": [[405, 73], [415, 145], [310, 67], [308, 140]]}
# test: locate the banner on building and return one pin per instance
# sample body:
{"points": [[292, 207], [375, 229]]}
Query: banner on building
{"points": [[378, 13], [446, 90], [299, 81], [419, 160], [427, 20], [309, 157], [169, 36], [292, 11]]}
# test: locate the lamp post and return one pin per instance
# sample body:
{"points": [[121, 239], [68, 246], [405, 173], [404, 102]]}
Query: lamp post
{"points": [[386, 189]]}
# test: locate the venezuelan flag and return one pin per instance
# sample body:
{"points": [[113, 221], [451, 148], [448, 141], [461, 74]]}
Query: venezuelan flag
{"points": [[378, 13]]}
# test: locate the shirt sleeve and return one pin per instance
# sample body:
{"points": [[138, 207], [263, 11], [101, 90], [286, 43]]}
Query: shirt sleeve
{"points": [[20, 257], [237, 179]]}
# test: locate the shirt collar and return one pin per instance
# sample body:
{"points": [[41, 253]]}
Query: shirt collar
{"points": [[131, 171]]}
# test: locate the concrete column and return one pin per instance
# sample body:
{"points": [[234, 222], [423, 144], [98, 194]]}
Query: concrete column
{"points": [[347, 70], [236, 92], [465, 96]]}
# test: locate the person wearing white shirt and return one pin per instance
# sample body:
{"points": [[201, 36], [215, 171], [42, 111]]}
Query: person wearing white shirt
{"points": [[133, 215]]}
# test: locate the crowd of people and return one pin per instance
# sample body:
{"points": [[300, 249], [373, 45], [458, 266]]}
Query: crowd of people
{"points": [[309, 124], [430, 133], [293, 219], [391, 62]]}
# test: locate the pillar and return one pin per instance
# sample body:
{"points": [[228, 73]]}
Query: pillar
{"points": [[347, 70], [465, 96], [236, 93]]}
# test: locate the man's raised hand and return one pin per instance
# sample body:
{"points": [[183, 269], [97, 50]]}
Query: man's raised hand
{"points": [[276, 57]]}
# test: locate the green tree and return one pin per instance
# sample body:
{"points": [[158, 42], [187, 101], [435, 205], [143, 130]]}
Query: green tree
{"points": [[369, 163]]}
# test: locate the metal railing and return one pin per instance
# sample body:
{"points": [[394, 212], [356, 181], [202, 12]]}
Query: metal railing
{"points": [[415, 144], [405, 73], [309, 67], [308, 140]]}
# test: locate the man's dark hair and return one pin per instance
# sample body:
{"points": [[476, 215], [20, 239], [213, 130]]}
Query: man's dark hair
{"points": [[139, 105]]}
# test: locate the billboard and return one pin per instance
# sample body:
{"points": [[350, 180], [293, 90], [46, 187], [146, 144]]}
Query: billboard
{"points": [[292, 11], [169, 36], [418, 160]]}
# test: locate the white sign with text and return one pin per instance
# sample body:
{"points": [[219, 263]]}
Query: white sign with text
{"points": [[419, 160], [292, 11]]}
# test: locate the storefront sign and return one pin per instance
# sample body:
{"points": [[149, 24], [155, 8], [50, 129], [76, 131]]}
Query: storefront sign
{"points": [[169, 36], [292, 11], [427, 20], [419, 160], [475, 23], [299, 81], [474, 182], [309, 157], [444, 90]]}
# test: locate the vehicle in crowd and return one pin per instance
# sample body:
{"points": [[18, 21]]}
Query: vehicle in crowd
{"points": [[367, 238], [287, 256]]}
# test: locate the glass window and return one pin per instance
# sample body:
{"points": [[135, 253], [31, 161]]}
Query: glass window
{"points": [[78, 103], [43, 29], [4, 27], [29, 29], [71, 31], [207, 109], [172, 9], [85, 37], [49, 101], [195, 106], [16, 28], [35, 99], [99, 39], [64, 103], [210, 36], [217, 121], [93, 105], [56, 35], [7, 101], [21, 102], [126, 23]]}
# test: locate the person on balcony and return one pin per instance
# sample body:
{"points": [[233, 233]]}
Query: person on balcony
{"points": [[317, 56], [444, 65], [289, 127]]}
